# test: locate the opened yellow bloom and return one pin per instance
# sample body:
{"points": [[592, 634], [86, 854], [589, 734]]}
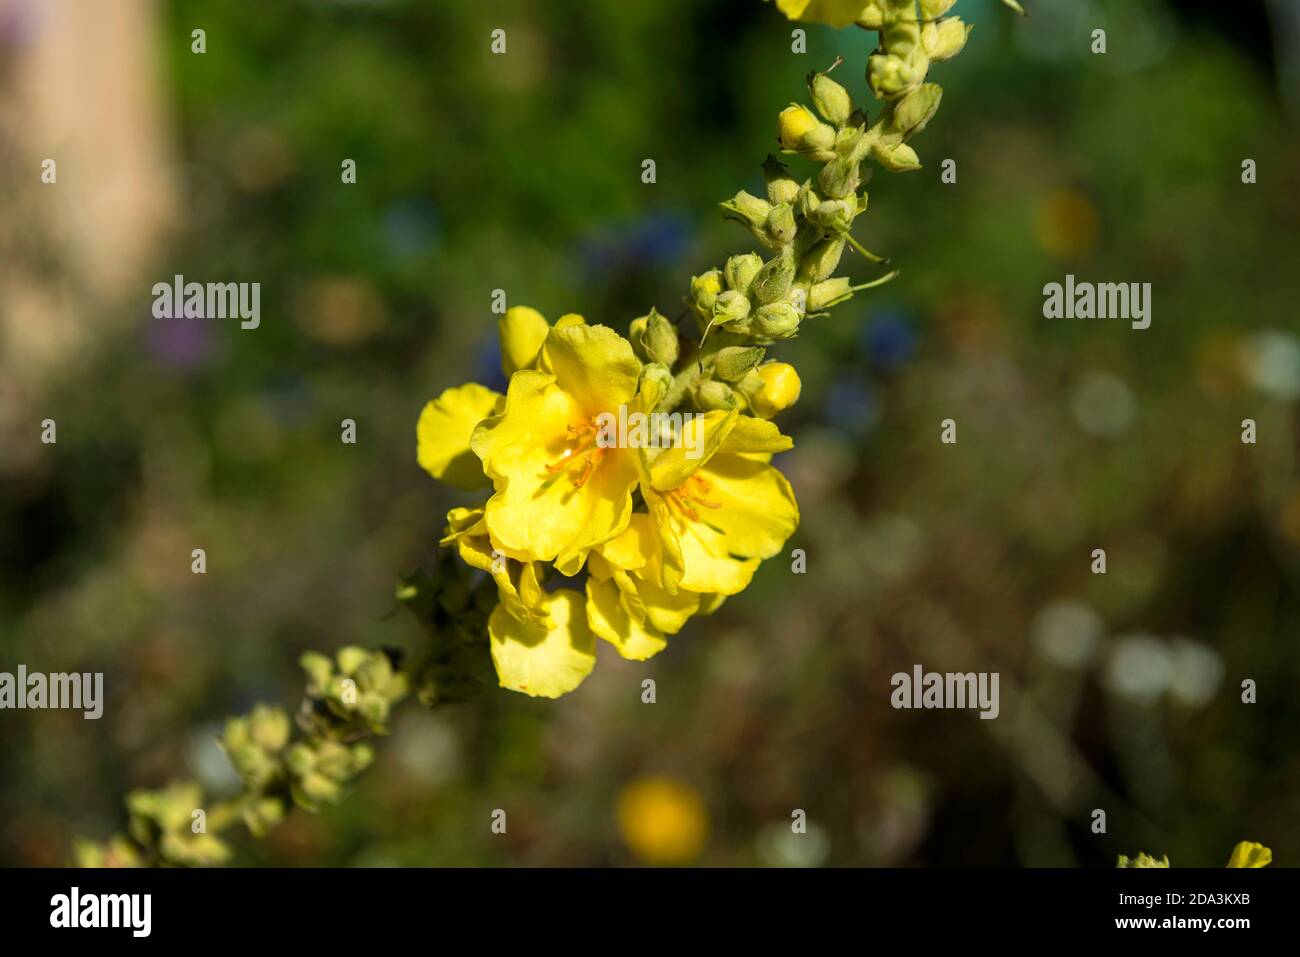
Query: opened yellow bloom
{"points": [[443, 433], [1250, 854], [558, 493], [719, 514], [627, 604], [837, 13], [543, 660]]}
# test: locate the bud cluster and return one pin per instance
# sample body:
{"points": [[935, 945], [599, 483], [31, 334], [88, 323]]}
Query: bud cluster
{"points": [[804, 226]]}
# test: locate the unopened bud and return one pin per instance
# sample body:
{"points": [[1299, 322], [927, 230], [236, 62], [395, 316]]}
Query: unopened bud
{"points": [[704, 290], [748, 209], [730, 306], [777, 320], [822, 260], [659, 339], [831, 99], [781, 226], [835, 215], [741, 270], [934, 9], [781, 186], [897, 159], [913, 111], [731, 363], [711, 395], [779, 391], [799, 130], [773, 281], [823, 294], [891, 76], [943, 41], [656, 379], [838, 178], [872, 15]]}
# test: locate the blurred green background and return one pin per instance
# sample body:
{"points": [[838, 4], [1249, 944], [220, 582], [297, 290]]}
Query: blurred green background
{"points": [[522, 172]]}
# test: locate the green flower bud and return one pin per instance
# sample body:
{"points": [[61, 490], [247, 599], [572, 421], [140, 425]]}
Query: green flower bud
{"points": [[659, 339], [773, 281], [934, 9], [318, 789], [838, 178], [711, 395], [656, 377], [891, 76], [809, 199], [799, 131], [913, 111], [781, 186], [831, 100], [730, 307], [635, 331], [731, 364], [351, 658], [825, 293], [835, 215], [822, 260], [741, 270], [874, 13], [748, 209], [704, 290], [781, 226], [897, 159], [777, 320], [943, 41], [269, 728], [319, 669]]}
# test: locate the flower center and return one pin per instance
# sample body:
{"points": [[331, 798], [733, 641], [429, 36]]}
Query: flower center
{"points": [[583, 438], [690, 495]]}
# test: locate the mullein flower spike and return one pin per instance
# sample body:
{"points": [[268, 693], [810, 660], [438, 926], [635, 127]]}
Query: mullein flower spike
{"points": [[667, 529]]}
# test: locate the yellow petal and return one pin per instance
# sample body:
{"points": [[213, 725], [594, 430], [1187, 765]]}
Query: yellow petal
{"points": [[594, 364], [751, 436], [1250, 854], [709, 567], [756, 510], [610, 619], [522, 330], [701, 437], [542, 514], [539, 661], [443, 434]]}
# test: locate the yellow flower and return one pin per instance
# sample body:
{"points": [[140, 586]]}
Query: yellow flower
{"points": [[721, 513], [444, 430], [627, 604], [799, 129], [543, 660], [558, 493], [662, 821], [837, 13], [1250, 854]]}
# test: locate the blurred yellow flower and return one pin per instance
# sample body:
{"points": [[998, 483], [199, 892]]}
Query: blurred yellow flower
{"points": [[1067, 224], [662, 821], [837, 13], [1250, 854]]}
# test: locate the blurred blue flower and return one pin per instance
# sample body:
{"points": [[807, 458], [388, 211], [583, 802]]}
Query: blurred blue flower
{"points": [[889, 339], [650, 240], [851, 407], [182, 344], [487, 364], [411, 227]]}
